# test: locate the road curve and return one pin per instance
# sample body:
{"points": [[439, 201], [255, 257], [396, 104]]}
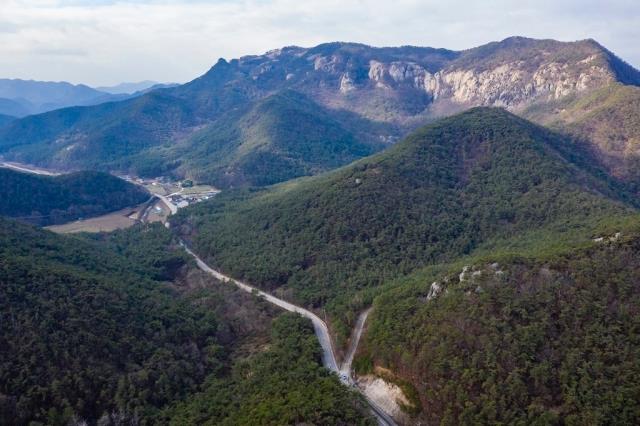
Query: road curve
{"points": [[172, 207], [345, 368], [319, 326]]}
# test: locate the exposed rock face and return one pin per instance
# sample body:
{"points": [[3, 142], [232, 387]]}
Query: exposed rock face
{"points": [[385, 395], [346, 83], [395, 73], [383, 93], [413, 81], [511, 85], [507, 85]]}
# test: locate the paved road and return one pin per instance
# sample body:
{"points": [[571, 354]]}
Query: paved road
{"points": [[320, 327], [167, 201], [28, 169], [345, 368], [321, 330]]}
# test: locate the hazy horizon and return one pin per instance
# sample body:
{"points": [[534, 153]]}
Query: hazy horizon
{"points": [[107, 42]]}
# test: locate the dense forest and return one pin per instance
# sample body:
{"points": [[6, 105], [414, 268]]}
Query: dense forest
{"points": [[116, 328], [547, 338], [445, 191], [605, 121], [283, 385], [48, 200], [88, 332], [499, 261], [278, 138]]}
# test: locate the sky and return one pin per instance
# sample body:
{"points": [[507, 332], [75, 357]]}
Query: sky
{"points": [[105, 42]]}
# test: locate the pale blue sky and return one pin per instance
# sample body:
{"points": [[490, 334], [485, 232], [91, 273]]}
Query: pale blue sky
{"points": [[100, 42]]}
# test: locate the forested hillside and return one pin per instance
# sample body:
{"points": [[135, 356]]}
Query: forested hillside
{"points": [[549, 337], [118, 328], [281, 137], [88, 332], [445, 191], [606, 121], [283, 385], [47, 200], [496, 251], [358, 97]]}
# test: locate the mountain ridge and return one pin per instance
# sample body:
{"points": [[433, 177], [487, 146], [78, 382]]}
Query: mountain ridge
{"points": [[36, 97], [445, 190], [47, 200], [402, 87], [6, 119]]}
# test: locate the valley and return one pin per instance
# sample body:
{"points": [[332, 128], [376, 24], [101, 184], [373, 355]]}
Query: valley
{"points": [[337, 234], [263, 119], [171, 195], [321, 331], [109, 222]]}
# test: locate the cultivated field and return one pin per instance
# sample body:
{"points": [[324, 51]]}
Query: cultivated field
{"points": [[106, 223]]}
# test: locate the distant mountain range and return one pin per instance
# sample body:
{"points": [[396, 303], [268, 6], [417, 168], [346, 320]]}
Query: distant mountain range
{"points": [[201, 129], [19, 98], [128, 88], [6, 119]]}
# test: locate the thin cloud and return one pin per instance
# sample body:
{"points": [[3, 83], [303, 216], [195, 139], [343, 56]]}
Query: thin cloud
{"points": [[61, 51], [108, 41]]}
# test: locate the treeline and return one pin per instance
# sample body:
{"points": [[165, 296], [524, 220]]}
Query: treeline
{"points": [[47, 200]]}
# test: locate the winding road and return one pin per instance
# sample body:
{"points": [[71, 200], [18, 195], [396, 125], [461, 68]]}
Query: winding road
{"points": [[321, 331], [319, 326], [345, 368]]}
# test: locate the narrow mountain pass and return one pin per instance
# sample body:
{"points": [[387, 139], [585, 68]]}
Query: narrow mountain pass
{"points": [[320, 328]]}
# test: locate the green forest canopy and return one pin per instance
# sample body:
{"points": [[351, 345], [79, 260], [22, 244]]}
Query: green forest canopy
{"points": [[119, 326], [46, 200], [448, 189]]}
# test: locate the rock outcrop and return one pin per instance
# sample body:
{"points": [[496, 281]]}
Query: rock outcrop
{"points": [[392, 90]]}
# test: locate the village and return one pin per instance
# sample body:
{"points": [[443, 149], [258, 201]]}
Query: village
{"points": [[178, 194]]}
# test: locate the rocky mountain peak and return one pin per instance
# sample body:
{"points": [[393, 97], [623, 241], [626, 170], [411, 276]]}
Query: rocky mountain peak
{"points": [[512, 73], [384, 92]]}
